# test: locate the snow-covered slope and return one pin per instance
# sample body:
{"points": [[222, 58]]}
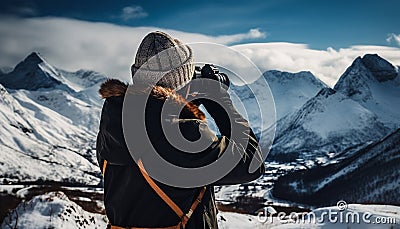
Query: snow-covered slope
{"points": [[86, 84], [56, 210], [292, 90], [42, 145], [51, 123], [289, 90], [324, 126], [375, 83], [53, 210], [74, 110], [36, 122], [82, 79]]}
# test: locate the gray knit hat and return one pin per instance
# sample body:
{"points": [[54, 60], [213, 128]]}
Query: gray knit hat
{"points": [[164, 61]]}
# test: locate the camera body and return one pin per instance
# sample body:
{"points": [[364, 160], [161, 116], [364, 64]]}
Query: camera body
{"points": [[209, 71]]}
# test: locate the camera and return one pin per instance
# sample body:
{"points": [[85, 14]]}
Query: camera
{"points": [[209, 71]]}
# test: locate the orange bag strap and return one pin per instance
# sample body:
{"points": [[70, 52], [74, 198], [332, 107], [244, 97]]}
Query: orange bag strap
{"points": [[103, 170], [160, 192], [184, 217], [187, 216]]}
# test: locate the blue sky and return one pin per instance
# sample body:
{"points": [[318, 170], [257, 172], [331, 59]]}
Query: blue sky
{"points": [[320, 24]]}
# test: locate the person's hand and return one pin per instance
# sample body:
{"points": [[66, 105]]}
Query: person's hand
{"points": [[202, 90]]}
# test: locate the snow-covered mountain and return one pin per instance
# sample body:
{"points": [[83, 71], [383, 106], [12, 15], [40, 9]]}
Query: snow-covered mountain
{"points": [[289, 90], [33, 73], [326, 125], [73, 95], [49, 122], [344, 137], [375, 84], [362, 107], [292, 90]]}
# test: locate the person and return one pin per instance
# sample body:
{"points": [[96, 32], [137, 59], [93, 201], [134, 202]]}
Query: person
{"points": [[131, 201]]}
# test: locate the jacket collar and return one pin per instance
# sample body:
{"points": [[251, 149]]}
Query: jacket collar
{"points": [[114, 87]]}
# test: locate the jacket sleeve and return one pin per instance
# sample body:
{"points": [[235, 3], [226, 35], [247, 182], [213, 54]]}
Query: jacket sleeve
{"points": [[228, 118], [110, 143]]}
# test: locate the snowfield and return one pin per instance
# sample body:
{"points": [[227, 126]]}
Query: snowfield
{"points": [[55, 210]]}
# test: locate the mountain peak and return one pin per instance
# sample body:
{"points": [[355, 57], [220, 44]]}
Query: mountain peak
{"points": [[372, 81], [34, 58], [325, 92], [380, 68], [363, 73], [367, 68], [281, 75], [32, 73]]}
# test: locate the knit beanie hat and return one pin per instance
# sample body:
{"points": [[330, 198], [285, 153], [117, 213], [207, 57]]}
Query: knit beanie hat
{"points": [[163, 61]]}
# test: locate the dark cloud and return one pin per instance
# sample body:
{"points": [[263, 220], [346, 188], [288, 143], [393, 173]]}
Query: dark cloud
{"points": [[19, 8]]}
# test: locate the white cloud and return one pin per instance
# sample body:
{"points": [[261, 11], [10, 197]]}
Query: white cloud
{"points": [[251, 34], [327, 65], [72, 44], [132, 12], [393, 38]]}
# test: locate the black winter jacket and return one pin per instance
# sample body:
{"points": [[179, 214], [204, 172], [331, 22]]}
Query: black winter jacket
{"points": [[128, 198]]}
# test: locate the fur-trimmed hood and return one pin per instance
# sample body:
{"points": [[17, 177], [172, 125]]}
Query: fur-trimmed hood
{"points": [[114, 87]]}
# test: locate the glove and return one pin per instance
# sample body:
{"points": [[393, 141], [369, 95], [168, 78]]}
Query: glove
{"points": [[207, 89]]}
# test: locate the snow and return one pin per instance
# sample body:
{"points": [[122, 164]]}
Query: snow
{"points": [[292, 90], [362, 108], [60, 165], [319, 218], [33, 73], [289, 92], [82, 79], [338, 114], [228, 220], [385, 102], [372, 82], [23, 192], [76, 111], [374, 211], [325, 126], [53, 210], [8, 189]]}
